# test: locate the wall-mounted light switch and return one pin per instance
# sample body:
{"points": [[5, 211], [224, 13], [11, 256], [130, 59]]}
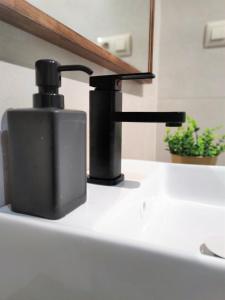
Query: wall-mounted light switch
{"points": [[218, 33], [215, 34], [120, 45]]}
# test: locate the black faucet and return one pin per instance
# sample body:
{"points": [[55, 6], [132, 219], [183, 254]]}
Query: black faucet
{"points": [[105, 125]]}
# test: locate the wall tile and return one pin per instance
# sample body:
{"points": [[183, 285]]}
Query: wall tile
{"points": [[186, 68]]}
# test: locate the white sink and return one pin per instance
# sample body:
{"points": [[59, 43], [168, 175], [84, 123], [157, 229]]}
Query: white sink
{"points": [[139, 241], [176, 208]]}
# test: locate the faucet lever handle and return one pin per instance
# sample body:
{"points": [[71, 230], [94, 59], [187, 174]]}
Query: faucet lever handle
{"points": [[113, 82], [135, 76]]}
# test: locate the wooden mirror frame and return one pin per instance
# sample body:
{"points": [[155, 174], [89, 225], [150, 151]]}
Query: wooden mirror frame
{"points": [[27, 17]]}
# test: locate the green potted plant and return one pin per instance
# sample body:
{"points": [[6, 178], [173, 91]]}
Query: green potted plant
{"points": [[187, 145]]}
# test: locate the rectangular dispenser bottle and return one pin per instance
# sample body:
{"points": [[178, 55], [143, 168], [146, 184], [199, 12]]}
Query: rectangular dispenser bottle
{"points": [[47, 149]]}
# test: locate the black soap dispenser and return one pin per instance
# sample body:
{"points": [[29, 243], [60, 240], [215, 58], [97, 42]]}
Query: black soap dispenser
{"points": [[47, 149]]}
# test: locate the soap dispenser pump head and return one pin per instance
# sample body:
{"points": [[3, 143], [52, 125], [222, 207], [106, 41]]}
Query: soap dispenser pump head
{"points": [[48, 80]]}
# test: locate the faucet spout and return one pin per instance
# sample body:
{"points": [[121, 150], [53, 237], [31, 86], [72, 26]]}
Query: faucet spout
{"points": [[170, 118]]}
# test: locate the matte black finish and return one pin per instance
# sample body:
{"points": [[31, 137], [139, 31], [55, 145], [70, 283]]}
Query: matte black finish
{"points": [[146, 117], [113, 82], [108, 182], [48, 72], [105, 135], [47, 149], [106, 129], [48, 80]]}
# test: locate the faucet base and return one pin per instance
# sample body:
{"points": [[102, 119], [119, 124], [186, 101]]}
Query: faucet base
{"points": [[108, 182]]}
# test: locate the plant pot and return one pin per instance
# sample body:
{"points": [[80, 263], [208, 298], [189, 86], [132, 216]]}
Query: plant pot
{"points": [[195, 160]]}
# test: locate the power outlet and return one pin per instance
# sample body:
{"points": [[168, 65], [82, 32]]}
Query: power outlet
{"points": [[120, 45], [215, 34]]}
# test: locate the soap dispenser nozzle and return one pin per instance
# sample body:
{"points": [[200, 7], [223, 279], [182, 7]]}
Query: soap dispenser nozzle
{"points": [[48, 80]]}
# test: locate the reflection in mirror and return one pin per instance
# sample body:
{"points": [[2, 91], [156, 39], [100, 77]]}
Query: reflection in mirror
{"points": [[121, 27]]}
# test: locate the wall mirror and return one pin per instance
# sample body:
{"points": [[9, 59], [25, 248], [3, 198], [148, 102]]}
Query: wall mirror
{"points": [[117, 35]]}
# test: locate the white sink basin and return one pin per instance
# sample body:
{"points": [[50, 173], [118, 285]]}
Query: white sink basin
{"points": [[176, 208], [139, 241]]}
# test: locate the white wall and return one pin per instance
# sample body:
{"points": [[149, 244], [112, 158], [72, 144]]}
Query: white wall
{"points": [[191, 78], [99, 18]]}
